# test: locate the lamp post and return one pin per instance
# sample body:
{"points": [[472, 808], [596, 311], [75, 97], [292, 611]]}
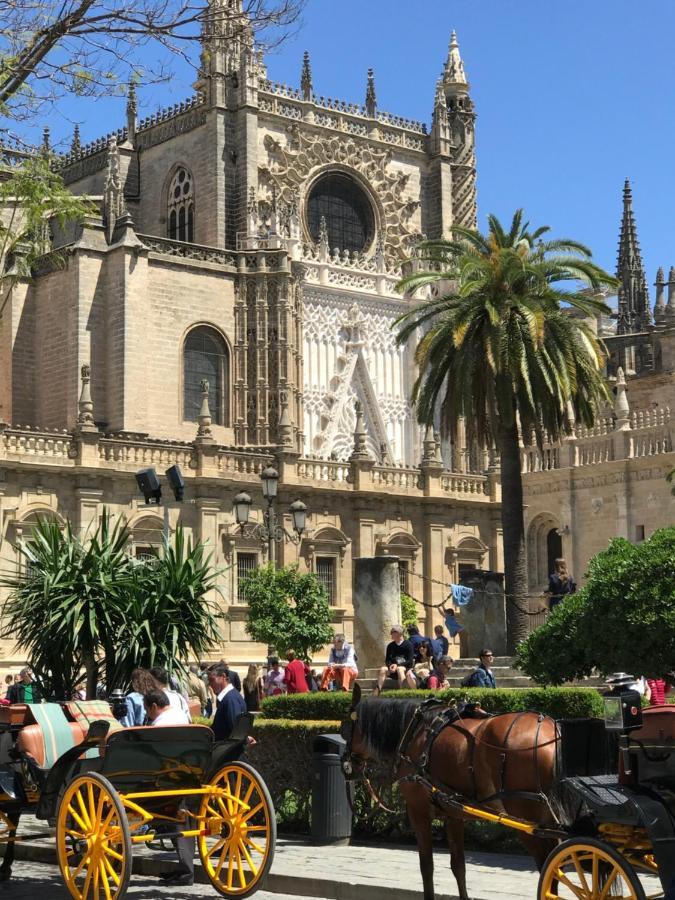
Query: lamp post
{"points": [[269, 532]]}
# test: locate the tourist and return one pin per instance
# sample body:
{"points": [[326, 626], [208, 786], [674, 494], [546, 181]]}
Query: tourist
{"points": [[451, 623], [341, 670], [253, 689], [142, 684], [439, 643], [398, 659], [27, 690], [658, 689], [482, 676], [560, 584], [439, 674], [9, 681], [295, 676], [233, 676], [160, 711], [229, 702], [415, 639], [177, 700], [196, 689], [418, 676], [274, 679]]}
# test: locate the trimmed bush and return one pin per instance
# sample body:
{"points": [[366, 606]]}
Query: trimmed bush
{"points": [[560, 703]]}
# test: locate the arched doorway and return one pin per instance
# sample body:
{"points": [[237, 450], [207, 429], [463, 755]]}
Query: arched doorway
{"points": [[553, 548], [544, 546]]}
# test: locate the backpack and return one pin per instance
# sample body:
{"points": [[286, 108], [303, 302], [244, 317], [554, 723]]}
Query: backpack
{"points": [[470, 679]]}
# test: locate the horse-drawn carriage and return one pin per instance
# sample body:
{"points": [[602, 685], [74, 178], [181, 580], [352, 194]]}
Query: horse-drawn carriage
{"points": [[593, 801], [107, 788]]}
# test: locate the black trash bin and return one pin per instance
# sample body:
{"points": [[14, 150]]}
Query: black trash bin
{"points": [[331, 811]]}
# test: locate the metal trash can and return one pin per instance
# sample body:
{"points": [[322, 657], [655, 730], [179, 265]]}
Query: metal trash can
{"points": [[331, 811]]}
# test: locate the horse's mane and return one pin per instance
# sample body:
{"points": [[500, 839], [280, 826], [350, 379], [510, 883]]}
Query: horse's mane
{"points": [[382, 723]]}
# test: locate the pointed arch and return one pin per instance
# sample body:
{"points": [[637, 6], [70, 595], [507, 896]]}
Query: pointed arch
{"points": [[206, 356], [180, 204]]}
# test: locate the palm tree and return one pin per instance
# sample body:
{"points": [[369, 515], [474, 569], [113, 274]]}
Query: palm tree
{"points": [[502, 349]]}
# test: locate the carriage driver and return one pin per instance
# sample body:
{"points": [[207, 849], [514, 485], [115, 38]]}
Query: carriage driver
{"points": [[399, 658]]}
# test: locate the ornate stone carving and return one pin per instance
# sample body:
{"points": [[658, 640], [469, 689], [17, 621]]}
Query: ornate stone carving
{"points": [[290, 165]]}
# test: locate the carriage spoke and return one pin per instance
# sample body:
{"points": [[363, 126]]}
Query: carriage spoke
{"points": [[252, 865], [252, 812], [216, 847], [582, 875], [77, 818], [111, 871], [254, 845], [104, 879], [560, 875], [610, 881], [230, 870], [113, 853], [240, 868]]}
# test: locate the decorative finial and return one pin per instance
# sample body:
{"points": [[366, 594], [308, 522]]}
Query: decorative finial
{"points": [[429, 445], [132, 109], [46, 141], [204, 417], [360, 450], [621, 407], [371, 100], [306, 85], [113, 195], [75, 145], [454, 67], [670, 309], [85, 407], [285, 426]]}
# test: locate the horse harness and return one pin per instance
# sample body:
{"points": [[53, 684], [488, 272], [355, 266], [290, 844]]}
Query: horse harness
{"points": [[452, 716]]}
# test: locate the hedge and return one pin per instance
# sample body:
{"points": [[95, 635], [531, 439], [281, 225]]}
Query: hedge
{"points": [[560, 703]]}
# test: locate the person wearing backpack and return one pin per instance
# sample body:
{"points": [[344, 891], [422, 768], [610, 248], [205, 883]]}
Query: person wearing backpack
{"points": [[482, 676]]}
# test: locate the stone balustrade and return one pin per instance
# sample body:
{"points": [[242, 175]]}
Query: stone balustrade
{"points": [[137, 453], [49, 446]]}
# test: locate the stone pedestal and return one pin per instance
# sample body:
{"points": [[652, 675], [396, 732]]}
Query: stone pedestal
{"points": [[377, 606], [484, 617]]}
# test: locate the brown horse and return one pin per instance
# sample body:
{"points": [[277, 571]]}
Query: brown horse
{"points": [[504, 763]]}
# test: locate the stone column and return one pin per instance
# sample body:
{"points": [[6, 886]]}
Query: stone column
{"points": [[377, 606]]}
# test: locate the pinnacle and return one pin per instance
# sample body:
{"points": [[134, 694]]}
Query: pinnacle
{"points": [[453, 72]]}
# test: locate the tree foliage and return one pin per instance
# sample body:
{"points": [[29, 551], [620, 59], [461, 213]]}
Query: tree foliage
{"points": [[408, 611], [87, 605], [288, 610], [622, 620], [500, 351]]}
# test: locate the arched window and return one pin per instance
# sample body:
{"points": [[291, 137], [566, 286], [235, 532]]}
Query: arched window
{"points": [[181, 206], [205, 356]]}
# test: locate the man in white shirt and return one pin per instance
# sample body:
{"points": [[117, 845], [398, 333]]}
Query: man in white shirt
{"points": [[160, 711], [178, 702]]}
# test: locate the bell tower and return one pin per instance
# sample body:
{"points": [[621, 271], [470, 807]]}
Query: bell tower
{"points": [[461, 122]]}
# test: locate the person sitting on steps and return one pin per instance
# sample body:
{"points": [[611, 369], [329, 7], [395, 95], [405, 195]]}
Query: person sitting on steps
{"points": [[397, 661]]}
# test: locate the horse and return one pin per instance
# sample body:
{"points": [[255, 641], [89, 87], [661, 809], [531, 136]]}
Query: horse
{"points": [[505, 763]]}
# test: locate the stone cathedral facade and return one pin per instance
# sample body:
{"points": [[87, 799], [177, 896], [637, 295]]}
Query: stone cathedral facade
{"points": [[233, 307]]}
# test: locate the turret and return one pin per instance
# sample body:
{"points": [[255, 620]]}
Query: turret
{"points": [[633, 313], [461, 122]]}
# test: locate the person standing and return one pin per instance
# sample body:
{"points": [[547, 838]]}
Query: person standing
{"points": [[27, 690], [229, 702], [233, 676], [295, 676], [398, 659], [253, 689], [341, 668], [196, 689], [274, 679], [560, 584], [439, 643]]}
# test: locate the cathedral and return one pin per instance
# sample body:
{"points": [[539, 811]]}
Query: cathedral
{"points": [[232, 308]]}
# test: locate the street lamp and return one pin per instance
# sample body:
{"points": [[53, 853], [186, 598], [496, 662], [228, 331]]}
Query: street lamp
{"points": [[149, 485], [269, 532]]}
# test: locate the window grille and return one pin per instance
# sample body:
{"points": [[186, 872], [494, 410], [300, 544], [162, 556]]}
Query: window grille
{"points": [[246, 564], [205, 356], [403, 572], [344, 205], [325, 572], [181, 207]]}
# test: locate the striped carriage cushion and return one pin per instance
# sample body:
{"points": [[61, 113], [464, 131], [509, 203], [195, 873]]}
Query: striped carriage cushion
{"points": [[51, 736], [86, 712]]}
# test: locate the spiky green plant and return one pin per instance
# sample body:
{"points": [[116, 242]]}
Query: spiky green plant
{"points": [[505, 347]]}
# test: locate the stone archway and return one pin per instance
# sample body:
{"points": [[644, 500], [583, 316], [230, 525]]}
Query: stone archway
{"points": [[544, 546]]}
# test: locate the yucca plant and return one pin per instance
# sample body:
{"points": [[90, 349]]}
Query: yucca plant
{"points": [[500, 349]]}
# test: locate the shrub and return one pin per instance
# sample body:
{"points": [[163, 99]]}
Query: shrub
{"points": [[560, 703], [622, 620], [409, 611]]}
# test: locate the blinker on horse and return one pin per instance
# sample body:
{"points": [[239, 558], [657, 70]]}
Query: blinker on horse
{"points": [[444, 761]]}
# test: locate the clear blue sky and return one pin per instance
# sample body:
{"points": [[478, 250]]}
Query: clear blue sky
{"points": [[571, 97]]}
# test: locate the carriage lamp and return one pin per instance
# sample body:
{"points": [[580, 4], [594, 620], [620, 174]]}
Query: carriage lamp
{"points": [[270, 483], [242, 508], [299, 516], [118, 703]]}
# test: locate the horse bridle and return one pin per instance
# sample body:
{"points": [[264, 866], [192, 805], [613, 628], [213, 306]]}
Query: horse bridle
{"points": [[361, 774]]}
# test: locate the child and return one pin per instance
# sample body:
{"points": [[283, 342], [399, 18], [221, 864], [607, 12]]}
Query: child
{"points": [[451, 623]]}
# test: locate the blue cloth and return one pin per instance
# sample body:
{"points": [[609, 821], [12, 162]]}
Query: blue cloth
{"points": [[135, 710], [229, 709], [483, 678], [453, 626], [461, 594]]}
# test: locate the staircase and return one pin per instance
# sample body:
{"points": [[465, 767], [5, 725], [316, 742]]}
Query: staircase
{"points": [[506, 676]]}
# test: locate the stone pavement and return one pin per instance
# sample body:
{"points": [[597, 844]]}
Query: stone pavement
{"points": [[334, 872]]}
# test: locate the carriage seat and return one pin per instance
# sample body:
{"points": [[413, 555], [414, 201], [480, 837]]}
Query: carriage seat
{"points": [[31, 741]]}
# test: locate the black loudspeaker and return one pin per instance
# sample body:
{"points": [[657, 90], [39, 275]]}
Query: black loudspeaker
{"points": [[176, 481], [149, 485]]}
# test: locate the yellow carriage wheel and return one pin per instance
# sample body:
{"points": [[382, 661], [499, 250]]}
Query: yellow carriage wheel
{"points": [[588, 870], [238, 847], [92, 839]]}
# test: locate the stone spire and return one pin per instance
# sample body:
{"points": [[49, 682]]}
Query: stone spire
{"points": [[633, 311], [360, 450], [46, 148], [132, 109], [371, 99], [621, 407], [85, 407], [113, 195], [660, 305], [285, 426], [228, 51], [75, 144], [670, 308], [204, 433], [454, 73], [440, 125], [306, 85]]}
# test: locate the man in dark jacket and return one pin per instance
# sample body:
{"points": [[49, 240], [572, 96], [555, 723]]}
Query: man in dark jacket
{"points": [[229, 702], [25, 691], [398, 659]]}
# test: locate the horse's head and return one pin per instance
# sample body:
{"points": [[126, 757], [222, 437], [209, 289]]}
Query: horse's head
{"points": [[356, 755]]}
